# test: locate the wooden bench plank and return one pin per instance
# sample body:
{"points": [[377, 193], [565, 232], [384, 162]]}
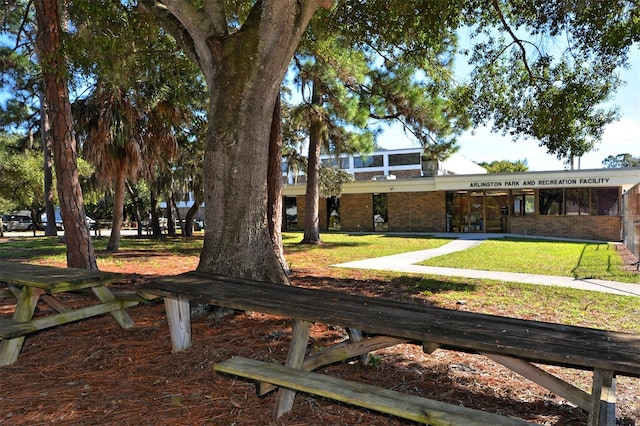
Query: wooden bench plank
{"points": [[410, 407]]}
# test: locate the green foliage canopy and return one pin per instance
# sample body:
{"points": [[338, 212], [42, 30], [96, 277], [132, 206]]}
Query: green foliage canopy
{"points": [[504, 166], [621, 160]]}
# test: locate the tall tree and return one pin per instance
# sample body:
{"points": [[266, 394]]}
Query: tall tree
{"points": [[361, 75], [25, 109], [621, 160], [243, 55], [80, 253]]}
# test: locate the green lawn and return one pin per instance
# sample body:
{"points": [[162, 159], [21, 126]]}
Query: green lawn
{"points": [[338, 248], [562, 258]]}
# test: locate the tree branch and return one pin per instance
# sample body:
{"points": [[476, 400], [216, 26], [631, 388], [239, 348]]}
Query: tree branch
{"points": [[515, 39]]}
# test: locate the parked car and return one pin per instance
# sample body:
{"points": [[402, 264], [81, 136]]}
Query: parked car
{"points": [[59, 225], [17, 223], [90, 222]]}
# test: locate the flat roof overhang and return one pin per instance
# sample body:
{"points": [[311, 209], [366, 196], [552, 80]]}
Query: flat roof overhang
{"points": [[624, 178]]}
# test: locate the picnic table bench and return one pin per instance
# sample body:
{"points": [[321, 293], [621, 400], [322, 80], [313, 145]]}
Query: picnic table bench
{"points": [[30, 284], [514, 343]]}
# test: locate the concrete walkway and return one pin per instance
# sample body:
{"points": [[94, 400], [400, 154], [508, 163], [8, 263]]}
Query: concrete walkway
{"points": [[406, 262]]}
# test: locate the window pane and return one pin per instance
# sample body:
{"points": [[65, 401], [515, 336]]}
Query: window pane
{"points": [[363, 162], [404, 159], [576, 201], [550, 201], [530, 204], [524, 202], [605, 201]]}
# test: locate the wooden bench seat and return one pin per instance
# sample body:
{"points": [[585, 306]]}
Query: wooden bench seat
{"points": [[387, 401], [514, 343]]}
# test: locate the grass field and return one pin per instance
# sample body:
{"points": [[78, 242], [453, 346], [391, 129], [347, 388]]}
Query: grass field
{"points": [[562, 258]]}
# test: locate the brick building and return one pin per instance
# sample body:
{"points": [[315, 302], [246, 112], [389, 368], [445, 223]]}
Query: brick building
{"points": [[582, 204]]}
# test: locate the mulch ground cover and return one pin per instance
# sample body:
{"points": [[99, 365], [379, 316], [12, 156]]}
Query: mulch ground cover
{"points": [[94, 373]]}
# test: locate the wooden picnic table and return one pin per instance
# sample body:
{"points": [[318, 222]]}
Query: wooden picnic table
{"points": [[30, 284], [514, 343]]}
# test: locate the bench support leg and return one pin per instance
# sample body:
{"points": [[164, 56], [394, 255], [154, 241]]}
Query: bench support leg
{"points": [[179, 319], [121, 316], [603, 399], [26, 306], [295, 358], [355, 336], [567, 391]]}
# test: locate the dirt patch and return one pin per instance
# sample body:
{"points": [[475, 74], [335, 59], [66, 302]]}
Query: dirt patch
{"points": [[629, 259], [93, 372]]}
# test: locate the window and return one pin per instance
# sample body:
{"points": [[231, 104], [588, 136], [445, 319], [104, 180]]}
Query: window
{"points": [[404, 159], [290, 218], [342, 163], [550, 201], [364, 162], [576, 201], [380, 215], [524, 202], [605, 201]]}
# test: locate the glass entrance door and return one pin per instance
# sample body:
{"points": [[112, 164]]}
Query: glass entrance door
{"points": [[497, 210], [476, 211], [457, 212]]}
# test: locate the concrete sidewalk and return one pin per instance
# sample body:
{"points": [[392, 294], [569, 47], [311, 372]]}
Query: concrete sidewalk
{"points": [[405, 262]]}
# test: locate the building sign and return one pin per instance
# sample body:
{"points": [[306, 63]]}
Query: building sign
{"points": [[538, 183]]}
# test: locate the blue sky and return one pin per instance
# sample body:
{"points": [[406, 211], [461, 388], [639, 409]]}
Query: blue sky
{"points": [[620, 137]]}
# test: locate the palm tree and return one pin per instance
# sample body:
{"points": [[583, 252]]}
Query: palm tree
{"points": [[124, 136]]}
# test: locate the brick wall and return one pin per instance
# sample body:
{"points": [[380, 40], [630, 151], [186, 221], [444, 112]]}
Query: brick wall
{"points": [[601, 228], [416, 211], [322, 213], [356, 212]]}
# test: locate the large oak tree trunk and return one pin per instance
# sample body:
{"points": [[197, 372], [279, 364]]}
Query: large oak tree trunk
{"points": [[244, 78], [80, 253]]}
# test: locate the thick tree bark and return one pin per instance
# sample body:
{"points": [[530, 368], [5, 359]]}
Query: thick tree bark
{"points": [[118, 211], [80, 253], [312, 197]]}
